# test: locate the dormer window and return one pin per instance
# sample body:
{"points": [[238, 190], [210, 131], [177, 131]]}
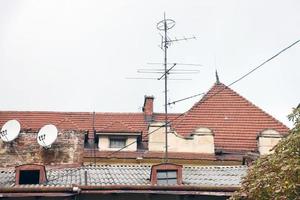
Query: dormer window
{"points": [[117, 136], [29, 177], [166, 174], [166, 177], [30, 174]]}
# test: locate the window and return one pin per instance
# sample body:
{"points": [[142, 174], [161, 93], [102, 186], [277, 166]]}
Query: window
{"points": [[29, 177], [117, 142], [30, 174], [166, 174], [86, 141], [166, 177]]}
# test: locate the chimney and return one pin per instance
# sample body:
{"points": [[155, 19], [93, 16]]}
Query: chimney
{"points": [[148, 107]]}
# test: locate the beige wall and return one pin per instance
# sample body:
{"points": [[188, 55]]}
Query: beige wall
{"points": [[202, 140], [103, 143], [267, 140]]}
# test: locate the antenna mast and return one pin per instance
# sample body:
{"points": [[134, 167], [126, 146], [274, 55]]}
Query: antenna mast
{"points": [[164, 26], [166, 88]]}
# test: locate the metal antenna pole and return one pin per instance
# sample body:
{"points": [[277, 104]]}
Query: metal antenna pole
{"points": [[94, 133], [164, 25], [166, 89]]}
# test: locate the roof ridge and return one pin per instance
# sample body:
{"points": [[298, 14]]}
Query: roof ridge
{"points": [[45, 112], [80, 112]]}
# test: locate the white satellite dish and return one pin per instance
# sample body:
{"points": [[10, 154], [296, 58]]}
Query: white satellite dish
{"points": [[47, 135], [10, 130]]}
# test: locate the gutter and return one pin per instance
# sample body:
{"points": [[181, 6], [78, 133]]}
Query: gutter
{"points": [[115, 189], [158, 188], [35, 189]]}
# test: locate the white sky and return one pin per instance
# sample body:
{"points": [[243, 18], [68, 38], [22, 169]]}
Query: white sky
{"points": [[76, 55]]}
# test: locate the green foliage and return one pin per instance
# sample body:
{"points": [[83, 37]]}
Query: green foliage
{"points": [[276, 176]]}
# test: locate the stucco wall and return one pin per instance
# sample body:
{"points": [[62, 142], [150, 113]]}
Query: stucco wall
{"points": [[201, 141], [103, 143], [67, 149]]}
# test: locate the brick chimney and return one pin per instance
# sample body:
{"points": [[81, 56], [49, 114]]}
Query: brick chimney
{"points": [[148, 107]]}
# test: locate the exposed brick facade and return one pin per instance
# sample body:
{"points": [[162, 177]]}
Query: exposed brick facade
{"points": [[68, 149]]}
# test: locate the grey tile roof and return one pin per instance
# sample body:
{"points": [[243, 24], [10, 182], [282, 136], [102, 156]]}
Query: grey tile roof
{"points": [[132, 175]]}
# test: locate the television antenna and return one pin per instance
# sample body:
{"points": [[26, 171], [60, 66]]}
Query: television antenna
{"points": [[163, 26], [47, 136], [10, 130], [168, 68]]}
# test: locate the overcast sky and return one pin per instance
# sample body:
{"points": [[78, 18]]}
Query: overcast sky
{"points": [[76, 55]]}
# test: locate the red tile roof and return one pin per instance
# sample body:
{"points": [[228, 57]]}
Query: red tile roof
{"points": [[235, 121], [118, 127], [131, 122]]}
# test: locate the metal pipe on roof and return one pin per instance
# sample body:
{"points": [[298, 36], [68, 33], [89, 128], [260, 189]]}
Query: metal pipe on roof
{"points": [[160, 187]]}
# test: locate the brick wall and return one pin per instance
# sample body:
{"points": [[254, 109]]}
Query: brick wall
{"points": [[67, 149], [148, 105]]}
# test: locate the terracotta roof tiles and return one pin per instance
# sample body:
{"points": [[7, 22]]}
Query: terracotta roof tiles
{"points": [[235, 121]]}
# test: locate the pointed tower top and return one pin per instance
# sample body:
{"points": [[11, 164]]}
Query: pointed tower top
{"points": [[217, 78]]}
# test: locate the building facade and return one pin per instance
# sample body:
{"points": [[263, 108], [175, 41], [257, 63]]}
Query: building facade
{"points": [[123, 153]]}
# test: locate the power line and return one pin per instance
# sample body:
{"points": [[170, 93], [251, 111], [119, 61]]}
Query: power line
{"points": [[268, 60], [245, 75], [207, 97], [146, 135], [190, 97]]}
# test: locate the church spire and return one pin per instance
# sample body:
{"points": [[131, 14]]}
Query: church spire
{"points": [[217, 78]]}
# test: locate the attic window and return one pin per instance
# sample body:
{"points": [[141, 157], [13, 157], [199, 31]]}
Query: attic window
{"points": [[166, 174], [117, 142], [29, 177], [30, 174], [166, 177]]}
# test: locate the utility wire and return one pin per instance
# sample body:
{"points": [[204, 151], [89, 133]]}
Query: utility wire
{"points": [[245, 75], [174, 102], [145, 135], [207, 97], [268, 60]]}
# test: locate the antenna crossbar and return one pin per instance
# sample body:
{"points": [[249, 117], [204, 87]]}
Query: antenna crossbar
{"points": [[188, 64], [167, 72], [180, 39]]}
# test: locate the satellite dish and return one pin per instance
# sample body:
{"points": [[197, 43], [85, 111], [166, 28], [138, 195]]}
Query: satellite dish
{"points": [[47, 135], [10, 130]]}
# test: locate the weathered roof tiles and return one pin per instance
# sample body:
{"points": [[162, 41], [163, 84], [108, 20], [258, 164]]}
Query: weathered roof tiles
{"points": [[131, 175]]}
